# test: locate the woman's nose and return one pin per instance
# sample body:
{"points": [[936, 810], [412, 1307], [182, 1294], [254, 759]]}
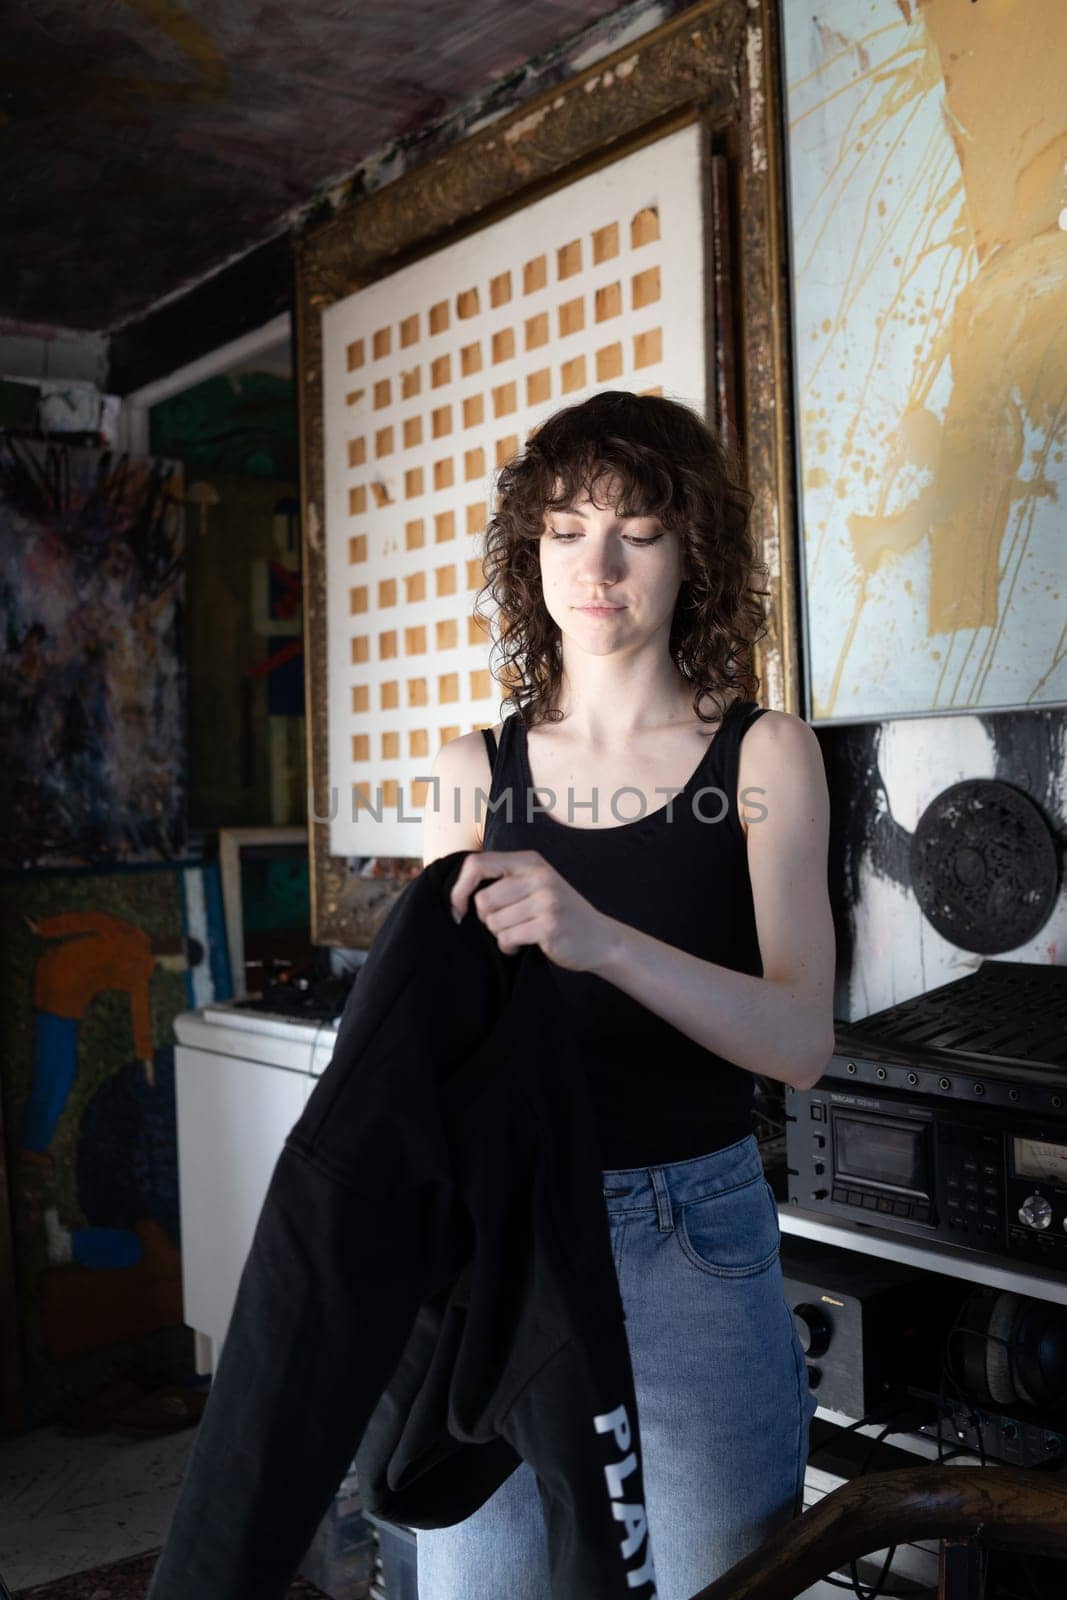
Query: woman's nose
{"points": [[600, 566]]}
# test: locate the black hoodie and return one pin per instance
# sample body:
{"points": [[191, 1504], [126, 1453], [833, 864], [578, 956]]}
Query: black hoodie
{"points": [[430, 1288]]}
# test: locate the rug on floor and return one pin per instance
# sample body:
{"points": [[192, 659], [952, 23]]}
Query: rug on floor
{"points": [[125, 1580]]}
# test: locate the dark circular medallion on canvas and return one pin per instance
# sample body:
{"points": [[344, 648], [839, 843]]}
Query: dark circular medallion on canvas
{"points": [[983, 866]]}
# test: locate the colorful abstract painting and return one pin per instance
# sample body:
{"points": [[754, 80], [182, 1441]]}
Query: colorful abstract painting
{"points": [[927, 152], [92, 720], [94, 970], [90, 1122]]}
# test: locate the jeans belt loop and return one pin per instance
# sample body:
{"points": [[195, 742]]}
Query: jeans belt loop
{"points": [[664, 1213]]}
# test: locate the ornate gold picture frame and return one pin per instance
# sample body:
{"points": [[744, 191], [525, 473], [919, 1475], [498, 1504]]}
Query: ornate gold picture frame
{"points": [[715, 66]]}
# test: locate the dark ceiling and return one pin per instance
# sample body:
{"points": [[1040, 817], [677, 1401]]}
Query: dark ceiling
{"points": [[144, 143]]}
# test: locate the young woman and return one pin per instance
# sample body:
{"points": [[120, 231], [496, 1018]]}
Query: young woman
{"points": [[664, 841]]}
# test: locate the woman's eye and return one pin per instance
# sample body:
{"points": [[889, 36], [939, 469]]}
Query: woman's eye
{"points": [[567, 537]]}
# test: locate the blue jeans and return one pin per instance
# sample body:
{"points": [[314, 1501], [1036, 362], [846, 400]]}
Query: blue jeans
{"points": [[722, 1393]]}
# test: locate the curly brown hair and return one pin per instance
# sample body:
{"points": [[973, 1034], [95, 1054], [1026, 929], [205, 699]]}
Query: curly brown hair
{"points": [[670, 465]]}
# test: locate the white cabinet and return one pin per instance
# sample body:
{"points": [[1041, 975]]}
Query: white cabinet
{"points": [[241, 1082]]}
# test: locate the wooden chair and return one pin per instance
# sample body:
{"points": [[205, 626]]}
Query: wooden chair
{"points": [[970, 1509]]}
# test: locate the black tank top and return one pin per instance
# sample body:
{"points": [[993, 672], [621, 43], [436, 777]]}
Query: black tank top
{"points": [[657, 1094]]}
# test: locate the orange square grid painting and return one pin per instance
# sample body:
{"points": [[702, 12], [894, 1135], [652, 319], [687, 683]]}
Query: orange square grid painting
{"points": [[433, 377]]}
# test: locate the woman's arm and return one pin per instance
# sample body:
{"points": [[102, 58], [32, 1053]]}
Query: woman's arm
{"points": [[450, 819], [780, 1025]]}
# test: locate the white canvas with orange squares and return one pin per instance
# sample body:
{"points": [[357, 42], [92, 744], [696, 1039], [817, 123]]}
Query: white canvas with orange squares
{"points": [[432, 378]]}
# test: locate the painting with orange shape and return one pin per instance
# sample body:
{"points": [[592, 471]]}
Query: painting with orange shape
{"points": [[928, 220], [97, 967], [97, 952]]}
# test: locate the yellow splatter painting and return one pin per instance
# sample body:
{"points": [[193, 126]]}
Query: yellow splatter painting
{"points": [[928, 220]]}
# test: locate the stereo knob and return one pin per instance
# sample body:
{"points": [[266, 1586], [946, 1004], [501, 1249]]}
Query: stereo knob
{"points": [[1035, 1211], [813, 1329]]}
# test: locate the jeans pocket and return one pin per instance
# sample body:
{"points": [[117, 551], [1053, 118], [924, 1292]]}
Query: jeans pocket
{"points": [[733, 1233]]}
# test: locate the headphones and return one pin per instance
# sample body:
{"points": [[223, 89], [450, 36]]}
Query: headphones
{"points": [[1007, 1349]]}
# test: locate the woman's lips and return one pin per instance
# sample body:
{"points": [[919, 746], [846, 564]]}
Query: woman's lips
{"points": [[601, 611]]}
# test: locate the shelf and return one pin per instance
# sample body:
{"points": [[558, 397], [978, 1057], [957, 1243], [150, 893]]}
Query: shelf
{"points": [[932, 1257], [916, 1444]]}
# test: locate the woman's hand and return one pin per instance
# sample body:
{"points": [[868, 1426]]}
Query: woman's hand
{"points": [[532, 904]]}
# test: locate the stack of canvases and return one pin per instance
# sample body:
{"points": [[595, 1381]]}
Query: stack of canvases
{"points": [[100, 924]]}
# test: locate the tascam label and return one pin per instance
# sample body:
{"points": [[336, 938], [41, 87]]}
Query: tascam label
{"points": [[631, 1513]]}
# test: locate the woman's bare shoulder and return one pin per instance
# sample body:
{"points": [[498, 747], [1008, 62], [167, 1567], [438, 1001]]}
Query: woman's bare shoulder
{"points": [[774, 726], [780, 756], [452, 818], [780, 746]]}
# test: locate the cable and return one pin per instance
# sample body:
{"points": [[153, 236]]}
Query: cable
{"points": [[311, 1068], [976, 1423], [945, 1408], [856, 1585], [877, 1589]]}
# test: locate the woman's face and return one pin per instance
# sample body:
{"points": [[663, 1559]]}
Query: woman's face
{"points": [[608, 581]]}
